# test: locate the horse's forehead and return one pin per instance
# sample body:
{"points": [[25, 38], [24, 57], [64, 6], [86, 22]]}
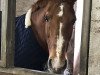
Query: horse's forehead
{"points": [[57, 8]]}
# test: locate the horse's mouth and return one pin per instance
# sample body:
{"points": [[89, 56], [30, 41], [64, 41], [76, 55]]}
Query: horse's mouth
{"points": [[58, 71]]}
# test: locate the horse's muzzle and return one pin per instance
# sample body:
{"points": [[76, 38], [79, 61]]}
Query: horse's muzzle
{"points": [[59, 70]]}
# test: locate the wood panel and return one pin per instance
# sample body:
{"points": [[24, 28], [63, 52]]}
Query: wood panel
{"points": [[22, 71]]}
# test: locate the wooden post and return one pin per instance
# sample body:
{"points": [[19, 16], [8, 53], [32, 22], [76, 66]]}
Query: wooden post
{"points": [[0, 5], [0, 33], [7, 32], [85, 38]]}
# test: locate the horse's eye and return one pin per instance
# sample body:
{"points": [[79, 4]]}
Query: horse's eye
{"points": [[46, 18]]}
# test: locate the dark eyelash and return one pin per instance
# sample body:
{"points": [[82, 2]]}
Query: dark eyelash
{"points": [[46, 18]]}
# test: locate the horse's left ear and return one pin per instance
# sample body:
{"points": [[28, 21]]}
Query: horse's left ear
{"points": [[28, 15], [28, 18], [70, 1]]}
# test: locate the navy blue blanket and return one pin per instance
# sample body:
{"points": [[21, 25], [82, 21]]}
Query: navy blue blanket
{"points": [[28, 53]]}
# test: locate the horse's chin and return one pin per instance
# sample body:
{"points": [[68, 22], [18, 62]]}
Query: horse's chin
{"points": [[50, 70], [60, 71], [55, 72], [64, 71]]}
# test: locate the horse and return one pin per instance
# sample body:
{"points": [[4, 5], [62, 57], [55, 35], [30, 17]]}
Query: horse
{"points": [[51, 22]]}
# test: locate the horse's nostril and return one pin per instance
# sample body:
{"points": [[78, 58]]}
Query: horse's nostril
{"points": [[49, 63], [66, 63]]}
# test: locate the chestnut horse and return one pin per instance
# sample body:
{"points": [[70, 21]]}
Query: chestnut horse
{"points": [[52, 23]]}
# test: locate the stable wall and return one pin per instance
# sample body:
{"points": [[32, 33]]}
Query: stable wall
{"points": [[22, 6], [94, 50]]}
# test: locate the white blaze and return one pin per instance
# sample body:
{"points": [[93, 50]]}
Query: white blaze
{"points": [[57, 61], [27, 18], [60, 41], [61, 12]]}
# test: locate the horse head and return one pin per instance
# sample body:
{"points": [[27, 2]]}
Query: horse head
{"points": [[52, 22]]}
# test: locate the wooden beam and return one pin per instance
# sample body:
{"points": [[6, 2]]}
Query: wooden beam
{"points": [[7, 32], [0, 33], [85, 38], [0, 5], [23, 71]]}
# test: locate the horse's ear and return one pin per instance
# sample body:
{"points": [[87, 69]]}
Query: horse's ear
{"points": [[28, 15], [70, 1], [28, 18]]}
